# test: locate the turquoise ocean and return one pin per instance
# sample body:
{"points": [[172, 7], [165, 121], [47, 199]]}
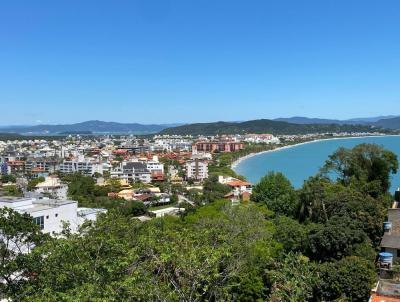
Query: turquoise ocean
{"points": [[302, 161]]}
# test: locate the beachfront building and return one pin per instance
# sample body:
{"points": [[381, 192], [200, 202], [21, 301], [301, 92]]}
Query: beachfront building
{"points": [[261, 138], [240, 189], [219, 146]]}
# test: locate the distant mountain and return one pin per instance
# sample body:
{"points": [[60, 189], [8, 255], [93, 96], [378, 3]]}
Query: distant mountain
{"points": [[88, 127], [372, 119], [307, 120], [354, 121], [263, 126], [389, 123]]}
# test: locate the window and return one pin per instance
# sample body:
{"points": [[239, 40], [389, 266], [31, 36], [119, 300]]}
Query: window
{"points": [[47, 217], [39, 221], [398, 254], [56, 215]]}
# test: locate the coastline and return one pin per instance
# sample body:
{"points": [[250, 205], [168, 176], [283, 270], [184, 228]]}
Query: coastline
{"points": [[243, 158]]}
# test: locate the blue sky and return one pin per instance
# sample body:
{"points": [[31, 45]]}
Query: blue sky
{"points": [[197, 61]]}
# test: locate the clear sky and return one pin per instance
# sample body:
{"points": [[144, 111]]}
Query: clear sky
{"points": [[197, 61]]}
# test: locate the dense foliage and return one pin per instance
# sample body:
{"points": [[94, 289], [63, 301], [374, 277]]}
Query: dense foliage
{"points": [[314, 244], [88, 194]]}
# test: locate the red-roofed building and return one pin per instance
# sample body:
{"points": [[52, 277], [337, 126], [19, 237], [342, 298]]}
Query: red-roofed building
{"points": [[16, 166], [120, 152], [156, 176], [379, 298], [217, 147], [240, 186]]}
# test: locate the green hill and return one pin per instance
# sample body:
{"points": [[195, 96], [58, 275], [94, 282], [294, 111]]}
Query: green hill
{"points": [[263, 126], [390, 123]]}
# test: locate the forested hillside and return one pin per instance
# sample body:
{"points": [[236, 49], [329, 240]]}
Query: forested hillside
{"points": [[263, 126]]}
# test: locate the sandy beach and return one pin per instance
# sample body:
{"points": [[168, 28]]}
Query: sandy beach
{"points": [[239, 160]]}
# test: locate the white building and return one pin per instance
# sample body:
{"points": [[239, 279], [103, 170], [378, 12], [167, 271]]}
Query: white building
{"points": [[196, 170], [49, 214], [155, 167], [85, 167], [52, 186], [261, 138], [166, 211], [134, 171]]}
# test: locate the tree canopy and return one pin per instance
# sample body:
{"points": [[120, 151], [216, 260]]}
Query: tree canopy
{"points": [[317, 243]]}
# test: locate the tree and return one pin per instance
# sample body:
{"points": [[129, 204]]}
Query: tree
{"points": [[322, 199], [134, 208], [335, 239], [291, 234], [366, 166], [18, 236], [312, 197], [32, 183], [12, 190], [291, 279], [218, 253], [351, 278], [86, 266], [214, 190], [8, 178], [277, 193], [174, 198]]}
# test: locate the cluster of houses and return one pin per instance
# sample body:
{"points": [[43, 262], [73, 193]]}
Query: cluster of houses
{"points": [[125, 157], [128, 159]]}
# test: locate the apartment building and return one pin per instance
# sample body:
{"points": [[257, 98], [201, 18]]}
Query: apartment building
{"points": [[261, 138], [220, 146], [135, 171], [196, 170], [41, 165], [85, 167]]}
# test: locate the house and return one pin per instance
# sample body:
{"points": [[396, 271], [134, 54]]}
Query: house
{"points": [[240, 189], [50, 214], [126, 194], [240, 186], [386, 291], [52, 186], [388, 286], [196, 169], [391, 239], [166, 211]]}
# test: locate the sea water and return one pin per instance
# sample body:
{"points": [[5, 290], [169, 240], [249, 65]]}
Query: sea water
{"points": [[300, 162]]}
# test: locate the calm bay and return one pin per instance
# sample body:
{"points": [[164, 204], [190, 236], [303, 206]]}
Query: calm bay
{"points": [[302, 161]]}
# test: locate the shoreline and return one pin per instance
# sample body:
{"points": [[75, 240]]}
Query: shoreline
{"points": [[234, 165]]}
